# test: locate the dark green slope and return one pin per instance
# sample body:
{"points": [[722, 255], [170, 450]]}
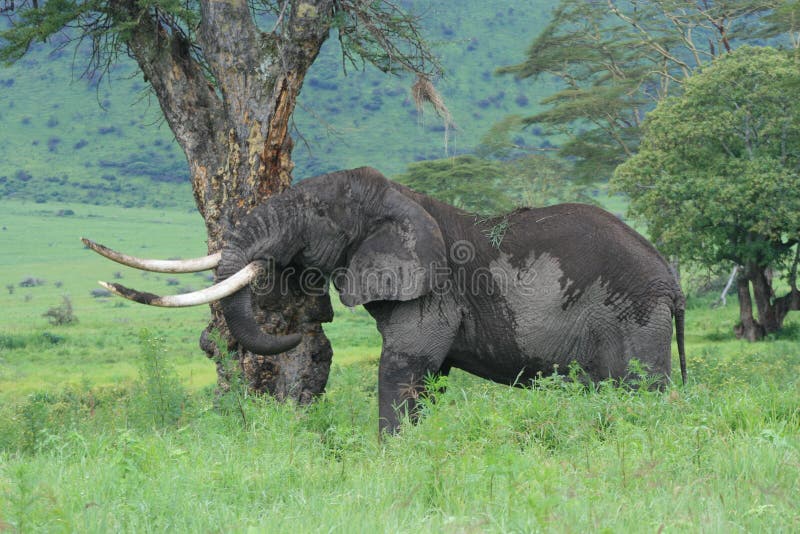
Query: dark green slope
{"points": [[71, 139]]}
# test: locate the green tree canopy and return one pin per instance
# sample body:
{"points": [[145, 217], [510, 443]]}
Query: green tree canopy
{"points": [[491, 187], [717, 176]]}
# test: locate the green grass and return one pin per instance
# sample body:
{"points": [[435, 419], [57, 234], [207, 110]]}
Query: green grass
{"points": [[82, 447]]}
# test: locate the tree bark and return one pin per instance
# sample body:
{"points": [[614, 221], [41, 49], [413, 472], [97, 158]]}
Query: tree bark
{"points": [[765, 298], [234, 131], [747, 328], [771, 310]]}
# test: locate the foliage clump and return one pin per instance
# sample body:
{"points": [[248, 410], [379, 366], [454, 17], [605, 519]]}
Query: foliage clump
{"points": [[716, 177], [158, 398], [62, 314], [490, 187], [31, 281]]}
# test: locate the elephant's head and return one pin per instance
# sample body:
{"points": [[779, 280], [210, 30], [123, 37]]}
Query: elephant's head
{"points": [[363, 232]]}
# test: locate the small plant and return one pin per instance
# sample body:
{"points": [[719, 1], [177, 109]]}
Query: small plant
{"points": [[435, 388], [52, 144], [100, 293], [62, 314], [639, 377], [34, 416], [31, 281], [233, 393], [159, 398], [10, 288], [497, 232]]}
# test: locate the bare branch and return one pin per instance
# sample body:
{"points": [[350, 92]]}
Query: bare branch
{"points": [[383, 34]]}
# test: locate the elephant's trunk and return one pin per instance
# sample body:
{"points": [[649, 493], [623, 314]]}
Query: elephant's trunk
{"points": [[238, 312], [266, 233]]}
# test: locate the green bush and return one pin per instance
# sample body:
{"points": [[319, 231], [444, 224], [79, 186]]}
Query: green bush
{"points": [[158, 398]]}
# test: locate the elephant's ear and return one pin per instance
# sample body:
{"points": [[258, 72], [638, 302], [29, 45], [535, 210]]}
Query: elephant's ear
{"points": [[400, 259]]}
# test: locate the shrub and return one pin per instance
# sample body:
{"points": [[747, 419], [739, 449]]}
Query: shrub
{"points": [[31, 281], [52, 144], [159, 397], [100, 293], [316, 83], [62, 314]]}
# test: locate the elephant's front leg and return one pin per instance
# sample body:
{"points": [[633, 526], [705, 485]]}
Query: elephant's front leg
{"points": [[417, 336]]}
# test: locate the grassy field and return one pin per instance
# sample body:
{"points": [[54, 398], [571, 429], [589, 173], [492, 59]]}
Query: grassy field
{"points": [[87, 445]]}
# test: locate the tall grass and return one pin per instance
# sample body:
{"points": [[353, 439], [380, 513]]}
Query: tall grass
{"points": [[720, 455]]}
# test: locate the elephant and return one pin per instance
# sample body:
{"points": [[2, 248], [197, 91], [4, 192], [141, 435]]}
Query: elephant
{"points": [[504, 298]]}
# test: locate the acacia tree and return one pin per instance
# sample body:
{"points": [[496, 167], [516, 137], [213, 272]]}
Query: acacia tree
{"points": [[717, 177], [227, 74], [616, 59]]}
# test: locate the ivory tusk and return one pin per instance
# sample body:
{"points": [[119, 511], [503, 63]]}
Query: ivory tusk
{"points": [[227, 287], [160, 266]]}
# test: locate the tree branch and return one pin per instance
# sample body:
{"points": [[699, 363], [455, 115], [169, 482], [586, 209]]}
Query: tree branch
{"points": [[189, 102]]}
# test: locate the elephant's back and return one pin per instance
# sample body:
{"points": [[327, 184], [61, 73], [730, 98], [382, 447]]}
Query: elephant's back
{"points": [[590, 245]]}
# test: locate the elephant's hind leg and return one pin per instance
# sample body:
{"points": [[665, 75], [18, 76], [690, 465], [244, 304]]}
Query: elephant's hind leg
{"points": [[651, 345]]}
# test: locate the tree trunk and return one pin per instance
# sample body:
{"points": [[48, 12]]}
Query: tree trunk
{"points": [[765, 299], [771, 310], [747, 328], [234, 133]]}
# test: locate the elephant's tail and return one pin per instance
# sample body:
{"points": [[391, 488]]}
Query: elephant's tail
{"points": [[679, 313]]}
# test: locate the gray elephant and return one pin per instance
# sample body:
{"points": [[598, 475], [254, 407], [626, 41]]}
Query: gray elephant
{"points": [[504, 299]]}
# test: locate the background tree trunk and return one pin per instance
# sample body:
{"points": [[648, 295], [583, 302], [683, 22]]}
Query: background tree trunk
{"points": [[747, 328], [234, 130], [765, 299], [771, 310]]}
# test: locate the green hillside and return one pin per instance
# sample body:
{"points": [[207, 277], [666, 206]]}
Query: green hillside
{"points": [[64, 138]]}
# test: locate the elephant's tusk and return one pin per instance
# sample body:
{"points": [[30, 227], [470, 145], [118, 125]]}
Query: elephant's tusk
{"points": [[229, 286], [160, 266]]}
